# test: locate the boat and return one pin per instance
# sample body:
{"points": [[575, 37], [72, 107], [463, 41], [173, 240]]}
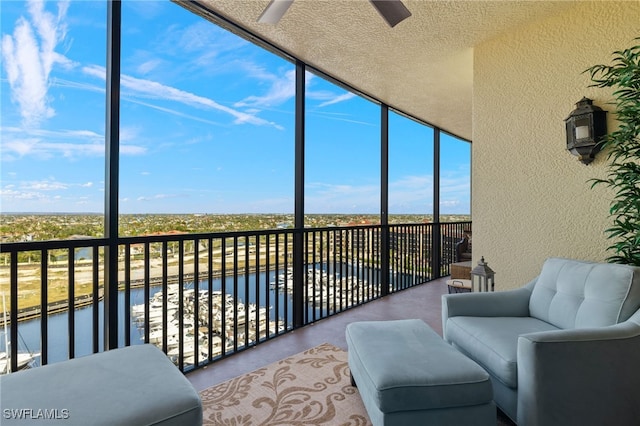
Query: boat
{"points": [[216, 313], [26, 359]]}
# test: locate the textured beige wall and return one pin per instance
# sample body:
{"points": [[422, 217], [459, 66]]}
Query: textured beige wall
{"points": [[531, 198]]}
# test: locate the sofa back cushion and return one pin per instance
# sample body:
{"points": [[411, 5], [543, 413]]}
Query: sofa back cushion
{"points": [[578, 294]]}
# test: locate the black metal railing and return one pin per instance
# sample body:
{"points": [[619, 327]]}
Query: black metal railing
{"points": [[201, 297]]}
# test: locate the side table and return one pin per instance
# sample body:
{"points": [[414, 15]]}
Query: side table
{"points": [[460, 270]]}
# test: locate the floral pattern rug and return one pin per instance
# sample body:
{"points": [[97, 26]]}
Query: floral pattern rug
{"points": [[310, 388]]}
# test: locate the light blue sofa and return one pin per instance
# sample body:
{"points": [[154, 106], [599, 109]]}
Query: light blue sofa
{"points": [[563, 349]]}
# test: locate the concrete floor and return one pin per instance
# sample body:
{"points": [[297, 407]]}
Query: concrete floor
{"points": [[421, 302]]}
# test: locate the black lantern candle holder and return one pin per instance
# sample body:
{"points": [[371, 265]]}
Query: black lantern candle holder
{"points": [[586, 126]]}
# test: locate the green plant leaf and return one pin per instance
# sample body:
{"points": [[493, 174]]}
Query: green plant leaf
{"points": [[623, 169]]}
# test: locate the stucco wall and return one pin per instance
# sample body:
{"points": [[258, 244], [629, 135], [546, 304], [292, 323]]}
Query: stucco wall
{"points": [[531, 198]]}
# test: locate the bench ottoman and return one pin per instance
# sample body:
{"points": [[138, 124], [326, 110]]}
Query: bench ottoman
{"points": [[136, 385], [407, 375]]}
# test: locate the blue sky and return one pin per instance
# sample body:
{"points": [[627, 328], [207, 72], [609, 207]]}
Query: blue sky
{"points": [[207, 123]]}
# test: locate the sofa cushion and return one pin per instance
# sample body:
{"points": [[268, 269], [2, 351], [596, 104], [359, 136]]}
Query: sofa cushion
{"points": [[493, 342], [577, 294]]}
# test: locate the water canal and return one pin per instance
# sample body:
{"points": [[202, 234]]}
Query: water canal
{"points": [[248, 286]]}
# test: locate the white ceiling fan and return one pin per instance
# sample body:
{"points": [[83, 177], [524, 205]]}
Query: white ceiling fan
{"points": [[393, 11]]}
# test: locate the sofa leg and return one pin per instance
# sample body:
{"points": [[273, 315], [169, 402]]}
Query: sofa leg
{"points": [[353, 382]]}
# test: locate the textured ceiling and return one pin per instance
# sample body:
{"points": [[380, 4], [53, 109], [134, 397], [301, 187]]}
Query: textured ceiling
{"points": [[423, 66]]}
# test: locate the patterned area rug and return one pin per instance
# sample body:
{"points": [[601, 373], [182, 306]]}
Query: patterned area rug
{"points": [[310, 388]]}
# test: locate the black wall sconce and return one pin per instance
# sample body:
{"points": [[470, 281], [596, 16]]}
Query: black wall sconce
{"points": [[586, 125]]}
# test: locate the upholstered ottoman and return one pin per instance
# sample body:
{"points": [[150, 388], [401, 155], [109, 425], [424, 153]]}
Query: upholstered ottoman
{"points": [[137, 385], [407, 375]]}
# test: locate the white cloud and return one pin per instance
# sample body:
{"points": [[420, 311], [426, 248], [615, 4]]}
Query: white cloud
{"points": [[44, 185], [37, 188], [336, 198], [29, 56], [455, 184], [415, 193], [128, 133], [281, 90], [328, 97], [12, 194], [408, 194], [337, 99], [42, 143], [153, 90], [86, 135], [169, 111], [60, 82], [450, 203], [157, 197], [34, 194], [21, 147], [148, 66], [202, 47]]}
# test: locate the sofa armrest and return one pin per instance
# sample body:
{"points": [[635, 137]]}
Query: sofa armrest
{"points": [[511, 303], [579, 376]]}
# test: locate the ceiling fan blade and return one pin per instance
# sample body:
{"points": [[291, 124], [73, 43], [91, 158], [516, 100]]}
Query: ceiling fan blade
{"points": [[393, 11], [274, 11]]}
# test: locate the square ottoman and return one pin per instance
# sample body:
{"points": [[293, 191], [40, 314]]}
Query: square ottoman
{"points": [[407, 375], [136, 385]]}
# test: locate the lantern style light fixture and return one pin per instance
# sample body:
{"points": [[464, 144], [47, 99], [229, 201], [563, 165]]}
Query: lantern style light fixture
{"points": [[586, 125], [482, 277]]}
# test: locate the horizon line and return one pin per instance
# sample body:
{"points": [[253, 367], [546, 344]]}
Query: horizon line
{"points": [[237, 214]]}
